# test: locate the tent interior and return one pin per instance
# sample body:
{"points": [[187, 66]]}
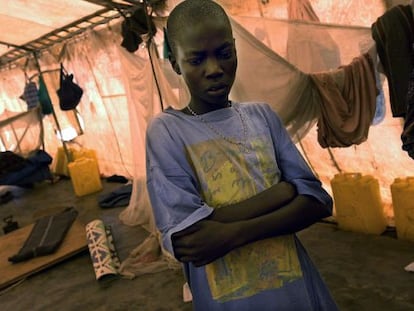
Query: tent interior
{"points": [[286, 45]]}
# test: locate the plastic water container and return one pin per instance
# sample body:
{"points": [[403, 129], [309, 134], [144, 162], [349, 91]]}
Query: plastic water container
{"points": [[358, 203], [402, 192], [84, 174], [61, 161], [84, 153]]}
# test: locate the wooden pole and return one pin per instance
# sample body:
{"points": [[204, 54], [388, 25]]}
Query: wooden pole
{"points": [[65, 149]]}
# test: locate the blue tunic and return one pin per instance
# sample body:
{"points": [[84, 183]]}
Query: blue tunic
{"points": [[196, 164]]}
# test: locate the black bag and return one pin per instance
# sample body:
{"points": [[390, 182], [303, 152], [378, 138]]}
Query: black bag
{"points": [[69, 92]]}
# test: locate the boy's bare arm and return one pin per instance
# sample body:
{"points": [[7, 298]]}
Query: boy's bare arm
{"points": [[265, 202], [208, 240]]}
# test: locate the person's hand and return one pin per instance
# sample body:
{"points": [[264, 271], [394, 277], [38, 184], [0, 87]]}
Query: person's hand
{"points": [[204, 242]]}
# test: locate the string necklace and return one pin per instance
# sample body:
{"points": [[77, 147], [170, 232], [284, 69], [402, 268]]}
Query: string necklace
{"points": [[242, 144]]}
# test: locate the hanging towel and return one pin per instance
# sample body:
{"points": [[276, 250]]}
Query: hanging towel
{"points": [[44, 98], [348, 103]]}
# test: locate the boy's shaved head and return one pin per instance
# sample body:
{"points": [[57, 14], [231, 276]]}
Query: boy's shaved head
{"points": [[203, 52], [191, 12]]}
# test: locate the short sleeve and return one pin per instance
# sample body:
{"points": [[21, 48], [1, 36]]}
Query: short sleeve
{"points": [[293, 167], [171, 184]]}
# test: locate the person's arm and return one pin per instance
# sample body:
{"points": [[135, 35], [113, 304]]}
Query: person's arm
{"points": [[265, 202], [225, 230], [220, 238], [208, 239]]}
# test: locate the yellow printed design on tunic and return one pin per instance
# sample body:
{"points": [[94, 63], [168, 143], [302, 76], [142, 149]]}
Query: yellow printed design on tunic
{"points": [[226, 177]]}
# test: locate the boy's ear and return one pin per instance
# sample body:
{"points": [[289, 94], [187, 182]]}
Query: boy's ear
{"points": [[170, 54], [174, 64]]}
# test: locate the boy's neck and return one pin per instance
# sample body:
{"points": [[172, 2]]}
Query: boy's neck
{"points": [[195, 109]]}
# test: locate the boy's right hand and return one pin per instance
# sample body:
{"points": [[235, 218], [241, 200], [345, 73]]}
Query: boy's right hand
{"points": [[204, 242]]}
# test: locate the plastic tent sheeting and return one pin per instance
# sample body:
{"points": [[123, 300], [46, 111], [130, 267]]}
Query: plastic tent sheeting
{"points": [[341, 33], [265, 48], [121, 95], [23, 21], [21, 132], [45, 16], [31, 27]]}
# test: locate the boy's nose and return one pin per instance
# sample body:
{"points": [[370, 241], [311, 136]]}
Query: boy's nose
{"points": [[213, 67]]}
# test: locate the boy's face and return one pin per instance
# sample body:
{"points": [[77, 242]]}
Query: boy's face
{"points": [[206, 57]]}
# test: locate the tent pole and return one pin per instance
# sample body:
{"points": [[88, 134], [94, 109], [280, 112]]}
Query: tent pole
{"points": [[149, 42], [65, 149]]}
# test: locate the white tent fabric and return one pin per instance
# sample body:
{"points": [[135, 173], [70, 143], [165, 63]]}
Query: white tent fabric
{"points": [[285, 85], [21, 132], [121, 95], [22, 21]]}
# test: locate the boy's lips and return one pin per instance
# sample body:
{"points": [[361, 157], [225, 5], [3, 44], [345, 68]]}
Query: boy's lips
{"points": [[217, 89]]}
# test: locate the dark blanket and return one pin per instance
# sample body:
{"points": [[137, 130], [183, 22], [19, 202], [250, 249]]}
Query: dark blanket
{"points": [[33, 169], [118, 197], [10, 162]]}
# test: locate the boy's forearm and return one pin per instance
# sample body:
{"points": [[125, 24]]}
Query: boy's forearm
{"points": [[263, 203], [300, 213], [208, 240]]}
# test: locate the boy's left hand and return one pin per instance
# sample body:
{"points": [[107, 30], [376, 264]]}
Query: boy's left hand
{"points": [[204, 242]]}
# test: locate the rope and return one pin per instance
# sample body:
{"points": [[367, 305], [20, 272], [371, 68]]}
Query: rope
{"points": [[334, 160]]}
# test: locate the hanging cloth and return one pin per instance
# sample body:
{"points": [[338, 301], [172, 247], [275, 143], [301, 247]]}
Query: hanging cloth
{"points": [[69, 92], [44, 98], [348, 103], [30, 93], [407, 135], [392, 33]]}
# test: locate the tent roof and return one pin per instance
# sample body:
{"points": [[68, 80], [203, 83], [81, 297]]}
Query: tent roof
{"points": [[29, 26]]}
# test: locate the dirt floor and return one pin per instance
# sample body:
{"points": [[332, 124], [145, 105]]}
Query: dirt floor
{"points": [[363, 272]]}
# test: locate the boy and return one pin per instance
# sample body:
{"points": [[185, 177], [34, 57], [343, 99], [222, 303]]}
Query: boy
{"points": [[227, 186]]}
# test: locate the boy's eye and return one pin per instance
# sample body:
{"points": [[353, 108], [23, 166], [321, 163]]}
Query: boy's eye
{"points": [[226, 54], [195, 61]]}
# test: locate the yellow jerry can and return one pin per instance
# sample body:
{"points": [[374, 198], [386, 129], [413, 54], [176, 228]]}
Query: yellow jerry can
{"points": [[358, 203], [84, 174], [402, 192]]}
